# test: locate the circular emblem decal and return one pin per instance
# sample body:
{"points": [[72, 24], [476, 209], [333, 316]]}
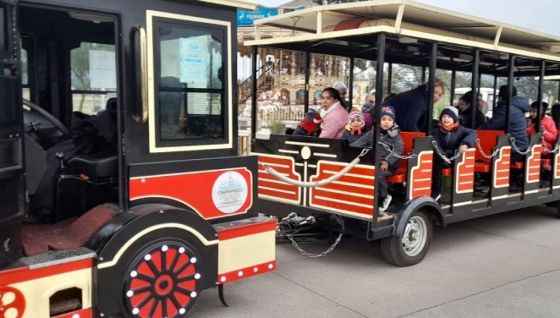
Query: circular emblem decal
{"points": [[229, 192]]}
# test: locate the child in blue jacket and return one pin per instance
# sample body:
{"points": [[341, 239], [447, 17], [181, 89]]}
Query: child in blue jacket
{"points": [[450, 137]]}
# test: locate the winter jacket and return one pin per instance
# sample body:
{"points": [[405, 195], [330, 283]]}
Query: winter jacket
{"points": [[390, 138], [411, 109], [449, 141], [466, 118], [334, 120], [549, 135], [347, 135], [517, 121]]}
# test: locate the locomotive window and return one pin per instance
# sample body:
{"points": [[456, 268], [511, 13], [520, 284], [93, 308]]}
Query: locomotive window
{"points": [[94, 76], [190, 83]]}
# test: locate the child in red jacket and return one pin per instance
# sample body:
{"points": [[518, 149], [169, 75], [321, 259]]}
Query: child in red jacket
{"points": [[548, 127]]}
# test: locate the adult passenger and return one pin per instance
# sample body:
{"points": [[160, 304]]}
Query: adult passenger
{"points": [[517, 121], [547, 127], [411, 107], [343, 90], [555, 113], [334, 116], [465, 111]]}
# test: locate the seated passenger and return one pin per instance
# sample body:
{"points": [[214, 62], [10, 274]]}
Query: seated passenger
{"points": [[309, 125], [356, 126], [343, 90], [334, 116], [555, 114], [450, 137], [411, 107], [466, 109], [517, 121], [391, 149], [547, 127], [367, 109]]}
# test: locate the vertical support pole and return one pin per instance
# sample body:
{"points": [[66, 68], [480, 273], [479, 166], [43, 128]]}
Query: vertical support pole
{"points": [[495, 99], [453, 84], [380, 60], [540, 93], [511, 71], [351, 83], [423, 75], [307, 76], [474, 86], [254, 93], [390, 78], [431, 82]]}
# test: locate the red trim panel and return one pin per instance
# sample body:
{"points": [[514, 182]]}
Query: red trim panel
{"points": [[270, 186], [247, 229], [246, 272], [534, 167], [82, 313], [502, 168], [212, 194], [23, 274], [466, 173], [422, 176]]}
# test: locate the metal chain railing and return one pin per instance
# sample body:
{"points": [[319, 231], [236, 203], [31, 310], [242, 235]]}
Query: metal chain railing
{"points": [[285, 229], [516, 149], [442, 155], [320, 183], [484, 154], [394, 154]]}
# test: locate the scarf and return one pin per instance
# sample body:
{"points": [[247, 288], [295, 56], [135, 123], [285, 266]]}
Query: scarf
{"points": [[449, 128]]}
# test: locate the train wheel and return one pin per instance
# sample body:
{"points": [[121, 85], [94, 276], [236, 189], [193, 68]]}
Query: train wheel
{"points": [[411, 248], [161, 281]]}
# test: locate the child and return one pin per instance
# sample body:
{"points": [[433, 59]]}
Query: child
{"points": [[391, 148], [309, 125], [450, 137], [356, 126], [547, 127]]}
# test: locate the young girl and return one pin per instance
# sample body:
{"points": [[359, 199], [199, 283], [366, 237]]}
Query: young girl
{"points": [[391, 148], [356, 126], [548, 127], [450, 137]]}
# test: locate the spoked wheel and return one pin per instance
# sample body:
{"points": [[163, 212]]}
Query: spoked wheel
{"points": [[411, 248], [161, 282]]}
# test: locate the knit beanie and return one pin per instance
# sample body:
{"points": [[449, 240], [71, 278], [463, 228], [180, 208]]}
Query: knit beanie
{"points": [[356, 115], [388, 111], [451, 112]]}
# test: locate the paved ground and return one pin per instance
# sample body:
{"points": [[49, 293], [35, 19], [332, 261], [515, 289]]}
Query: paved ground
{"points": [[505, 265]]}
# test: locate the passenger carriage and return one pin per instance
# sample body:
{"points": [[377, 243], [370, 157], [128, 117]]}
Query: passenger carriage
{"points": [[166, 210], [433, 40]]}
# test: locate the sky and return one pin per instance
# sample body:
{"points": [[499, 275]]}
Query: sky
{"points": [[538, 15]]}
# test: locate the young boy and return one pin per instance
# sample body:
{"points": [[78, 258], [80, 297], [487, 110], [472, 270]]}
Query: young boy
{"points": [[390, 150], [356, 126], [450, 137], [309, 125]]}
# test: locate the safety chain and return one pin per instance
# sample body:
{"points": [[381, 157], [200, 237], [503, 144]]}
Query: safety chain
{"points": [[323, 182], [514, 146], [394, 154], [443, 156], [485, 155], [284, 229], [556, 149]]}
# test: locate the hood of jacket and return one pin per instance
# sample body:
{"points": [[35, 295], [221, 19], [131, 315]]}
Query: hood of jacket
{"points": [[520, 103]]}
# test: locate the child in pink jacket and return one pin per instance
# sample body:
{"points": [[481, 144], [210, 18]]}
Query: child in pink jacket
{"points": [[548, 127], [334, 116]]}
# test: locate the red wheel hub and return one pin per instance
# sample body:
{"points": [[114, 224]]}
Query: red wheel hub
{"points": [[161, 282], [12, 302]]}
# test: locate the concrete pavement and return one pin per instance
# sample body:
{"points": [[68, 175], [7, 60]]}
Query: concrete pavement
{"points": [[498, 266]]}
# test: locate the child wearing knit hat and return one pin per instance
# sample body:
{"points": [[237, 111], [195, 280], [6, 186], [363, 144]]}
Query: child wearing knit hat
{"points": [[356, 126], [450, 137]]}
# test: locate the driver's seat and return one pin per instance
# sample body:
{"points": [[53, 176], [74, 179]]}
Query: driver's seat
{"points": [[96, 166]]}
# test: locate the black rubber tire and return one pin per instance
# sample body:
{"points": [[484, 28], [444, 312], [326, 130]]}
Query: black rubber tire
{"points": [[392, 247]]}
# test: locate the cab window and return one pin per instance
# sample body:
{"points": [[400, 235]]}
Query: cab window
{"points": [[93, 75], [189, 83]]}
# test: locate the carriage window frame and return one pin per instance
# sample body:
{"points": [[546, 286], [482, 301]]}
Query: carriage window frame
{"points": [[157, 144]]}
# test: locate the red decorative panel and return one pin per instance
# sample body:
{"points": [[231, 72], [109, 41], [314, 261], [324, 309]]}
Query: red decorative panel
{"points": [[557, 165], [502, 167], [22, 274], [212, 194], [245, 230], [246, 272], [83, 313], [421, 176], [273, 189], [12, 302], [532, 174], [465, 178], [351, 194]]}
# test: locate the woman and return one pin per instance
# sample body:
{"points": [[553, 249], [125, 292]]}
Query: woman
{"points": [[334, 116], [466, 109], [547, 127]]}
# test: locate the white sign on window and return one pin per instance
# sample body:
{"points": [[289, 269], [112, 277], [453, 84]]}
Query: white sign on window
{"points": [[102, 70]]}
